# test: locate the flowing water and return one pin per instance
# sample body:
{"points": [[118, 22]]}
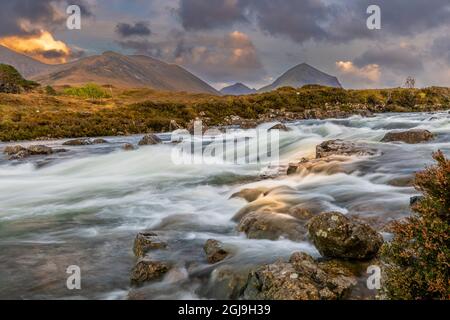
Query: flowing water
{"points": [[84, 207]]}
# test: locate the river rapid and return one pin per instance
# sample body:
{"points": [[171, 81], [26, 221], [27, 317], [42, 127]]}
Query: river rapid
{"points": [[85, 206]]}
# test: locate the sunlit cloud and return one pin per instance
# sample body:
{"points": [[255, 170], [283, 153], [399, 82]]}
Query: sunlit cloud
{"points": [[42, 47], [370, 73]]}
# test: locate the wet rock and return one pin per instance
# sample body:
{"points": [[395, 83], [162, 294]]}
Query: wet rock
{"points": [[19, 152], [328, 165], [279, 126], [197, 125], [173, 125], [248, 124], [337, 236], [250, 195], [272, 226], [20, 155], [128, 147], [39, 150], [146, 241], [215, 251], [10, 150], [147, 270], [227, 282], [302, 278], [150, 139], [342, 148], [77, 142], [99, 141], [410, 136], [415, 200]]}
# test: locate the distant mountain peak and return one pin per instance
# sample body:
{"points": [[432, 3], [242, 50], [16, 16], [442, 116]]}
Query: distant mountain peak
{"points": [[301, 75], [237, 89]]}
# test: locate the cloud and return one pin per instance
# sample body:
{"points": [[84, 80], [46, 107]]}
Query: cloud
{"points": [[29, 17], [42, 47], [359, 76], [440, 48], [138, 29], [318, 20], [402, 58], [201, 14], [232, 57]]}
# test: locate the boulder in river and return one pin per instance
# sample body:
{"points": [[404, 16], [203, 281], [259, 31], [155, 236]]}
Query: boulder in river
{"points": [[19, 152], [227, 282], [272, 226], [150, 139], [302, 278], [415, 200], [337, 236], [342, 148], [215, 251], [99, 141], [410, 136], [128, 147], [146, 241], [250, 195], [329, 165], [39, 150], [279, 126], [10, 150], [77, 142], [147, 270]]}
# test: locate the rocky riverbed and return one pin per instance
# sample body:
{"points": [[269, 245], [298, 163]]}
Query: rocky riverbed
{"points": [[141, 227]]}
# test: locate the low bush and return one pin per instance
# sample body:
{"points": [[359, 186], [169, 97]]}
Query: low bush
{"points": [[417, 260]]}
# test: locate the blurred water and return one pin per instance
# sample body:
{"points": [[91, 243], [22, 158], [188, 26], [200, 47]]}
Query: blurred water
{"points": [[84, 207]]}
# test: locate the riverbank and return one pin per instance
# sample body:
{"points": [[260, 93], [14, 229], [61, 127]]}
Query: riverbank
{"points": [[38, 116]]}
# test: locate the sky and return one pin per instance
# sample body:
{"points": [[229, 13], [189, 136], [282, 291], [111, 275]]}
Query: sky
{"points": [[248, 41]]}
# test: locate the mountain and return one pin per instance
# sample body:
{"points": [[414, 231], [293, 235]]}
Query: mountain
{"points": [[301, 75], [237, 89], [128, 72], [27, 66], [109, 68]]}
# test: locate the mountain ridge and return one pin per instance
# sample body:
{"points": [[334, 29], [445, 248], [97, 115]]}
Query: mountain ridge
{"points": [[301, 75], [237, 89], [109, 68]]}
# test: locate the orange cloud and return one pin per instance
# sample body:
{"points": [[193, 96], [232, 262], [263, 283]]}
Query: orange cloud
{"points": [[42, 47], [369, 73]]}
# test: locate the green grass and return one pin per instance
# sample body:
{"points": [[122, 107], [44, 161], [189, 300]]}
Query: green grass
{"points": [[39, 115], [88, 91]]}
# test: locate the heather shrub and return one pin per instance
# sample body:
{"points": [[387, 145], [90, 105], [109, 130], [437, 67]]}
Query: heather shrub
{"points": [[417, 260], [88, 91]]}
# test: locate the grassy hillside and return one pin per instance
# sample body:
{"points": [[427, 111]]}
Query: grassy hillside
{"points": [[38, 115]]}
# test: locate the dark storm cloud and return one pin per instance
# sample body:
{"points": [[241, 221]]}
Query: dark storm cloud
{"points": [[441, 48], [138, 29], [216, 58], [144, 47], [409, 17], [201, 14], [27, 17], [302, 20], [398, 59]]}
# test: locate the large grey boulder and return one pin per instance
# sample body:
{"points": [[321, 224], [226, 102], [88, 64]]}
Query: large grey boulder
{"points": [[215, 251], [337, 236], [302, 278], [150, 139], [342, 148], [410, 136]]}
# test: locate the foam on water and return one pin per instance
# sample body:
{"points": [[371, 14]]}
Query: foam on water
{"points": [[85, 207]]}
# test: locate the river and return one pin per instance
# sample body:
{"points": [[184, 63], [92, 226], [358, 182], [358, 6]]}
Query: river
{"points": [[85, 206]]}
